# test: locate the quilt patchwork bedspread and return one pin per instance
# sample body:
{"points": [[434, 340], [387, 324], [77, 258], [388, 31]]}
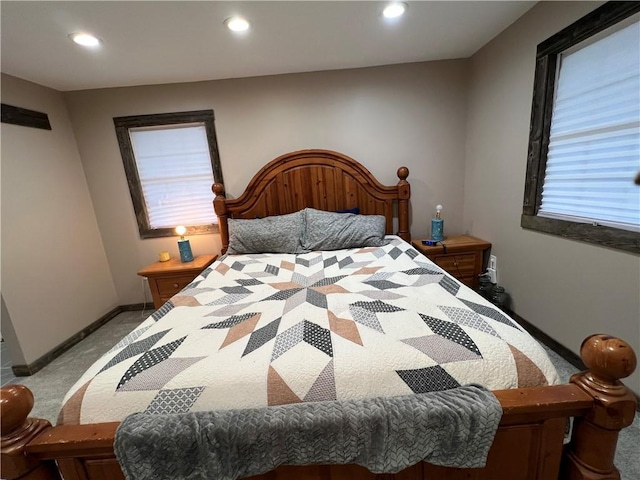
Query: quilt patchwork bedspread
{"points": [[271, 329]]}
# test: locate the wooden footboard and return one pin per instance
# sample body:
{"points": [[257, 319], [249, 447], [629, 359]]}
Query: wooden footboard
{"points": [[527, 446]]}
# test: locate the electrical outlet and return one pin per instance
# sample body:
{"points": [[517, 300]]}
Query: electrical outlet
{"points": [[493, 262], [493, 275]]}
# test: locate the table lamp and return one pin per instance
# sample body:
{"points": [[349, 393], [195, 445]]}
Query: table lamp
{"points": [[183, 245], [437, 226]]}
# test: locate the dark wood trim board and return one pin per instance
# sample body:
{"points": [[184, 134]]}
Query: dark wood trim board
{"points": [[24, 117], [134, 307]]}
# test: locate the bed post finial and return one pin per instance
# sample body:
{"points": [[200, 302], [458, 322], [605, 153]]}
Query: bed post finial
{"points": [[220, 207], [404, 193], [16, 402], [593, 446]]}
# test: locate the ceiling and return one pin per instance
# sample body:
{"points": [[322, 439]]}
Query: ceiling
{"points": [[153, 42]]}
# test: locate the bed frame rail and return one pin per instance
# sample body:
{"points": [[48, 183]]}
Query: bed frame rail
{"points": [[527, 446]]}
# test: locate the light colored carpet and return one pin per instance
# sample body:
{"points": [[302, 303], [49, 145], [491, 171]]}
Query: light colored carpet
{"points": [[50, 384]]}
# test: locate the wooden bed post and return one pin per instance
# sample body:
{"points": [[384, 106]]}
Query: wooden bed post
{"points": [[16, 402], [220, 207], [404, 193], [591, 452]]}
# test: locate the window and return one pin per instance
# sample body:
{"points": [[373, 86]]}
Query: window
{"points": [[584, 143], [171, 160]]}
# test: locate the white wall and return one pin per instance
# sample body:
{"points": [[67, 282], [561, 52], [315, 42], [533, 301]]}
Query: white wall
{"points": [[385, 117], [568, 289], [55, 275]]}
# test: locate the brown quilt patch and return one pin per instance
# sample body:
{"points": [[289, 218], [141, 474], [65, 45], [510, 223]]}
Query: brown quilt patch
{"points": [[345, 328], [288, 265], [327, 289], [285, 285], [529, 375], [185, 301], [238, 331], [278, 392], [222, 268], [70, 413]]}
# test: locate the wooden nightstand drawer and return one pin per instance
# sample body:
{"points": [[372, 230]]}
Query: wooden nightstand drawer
{"points": [[462, 256], [459, 266], [172, 285]]}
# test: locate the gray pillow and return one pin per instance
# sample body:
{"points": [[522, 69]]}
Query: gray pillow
{"points": [[335, 231], [277, 234]]}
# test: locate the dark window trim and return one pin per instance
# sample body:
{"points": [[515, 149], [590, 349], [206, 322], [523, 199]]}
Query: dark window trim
{"points": [[600, 19], [123, 124]]}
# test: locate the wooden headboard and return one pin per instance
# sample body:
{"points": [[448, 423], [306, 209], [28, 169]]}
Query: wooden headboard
{"points": [[319, 179]]}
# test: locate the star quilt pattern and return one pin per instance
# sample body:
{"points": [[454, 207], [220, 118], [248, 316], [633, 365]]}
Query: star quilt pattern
{"points": [[270, 329]]}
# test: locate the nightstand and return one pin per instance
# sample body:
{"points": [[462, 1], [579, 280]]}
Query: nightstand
{"points": [[462, 256], [168, 278]]}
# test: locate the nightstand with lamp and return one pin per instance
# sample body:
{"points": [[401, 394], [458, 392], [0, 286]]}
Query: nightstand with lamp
{"points": [[168, 277], [463, 256]]}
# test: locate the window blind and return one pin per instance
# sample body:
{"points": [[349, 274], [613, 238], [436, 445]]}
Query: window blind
{"points": [[174, 166], [594, 146]]}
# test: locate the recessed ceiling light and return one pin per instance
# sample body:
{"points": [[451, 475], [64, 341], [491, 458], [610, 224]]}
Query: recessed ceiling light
{"points": [[237, 24], [394, 10], [85, 39]]}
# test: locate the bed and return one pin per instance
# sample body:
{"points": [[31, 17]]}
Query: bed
{"points": [[376, 306]]}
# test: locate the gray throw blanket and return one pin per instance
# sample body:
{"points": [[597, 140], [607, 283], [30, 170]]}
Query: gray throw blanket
{"points": [[450, 428]]}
